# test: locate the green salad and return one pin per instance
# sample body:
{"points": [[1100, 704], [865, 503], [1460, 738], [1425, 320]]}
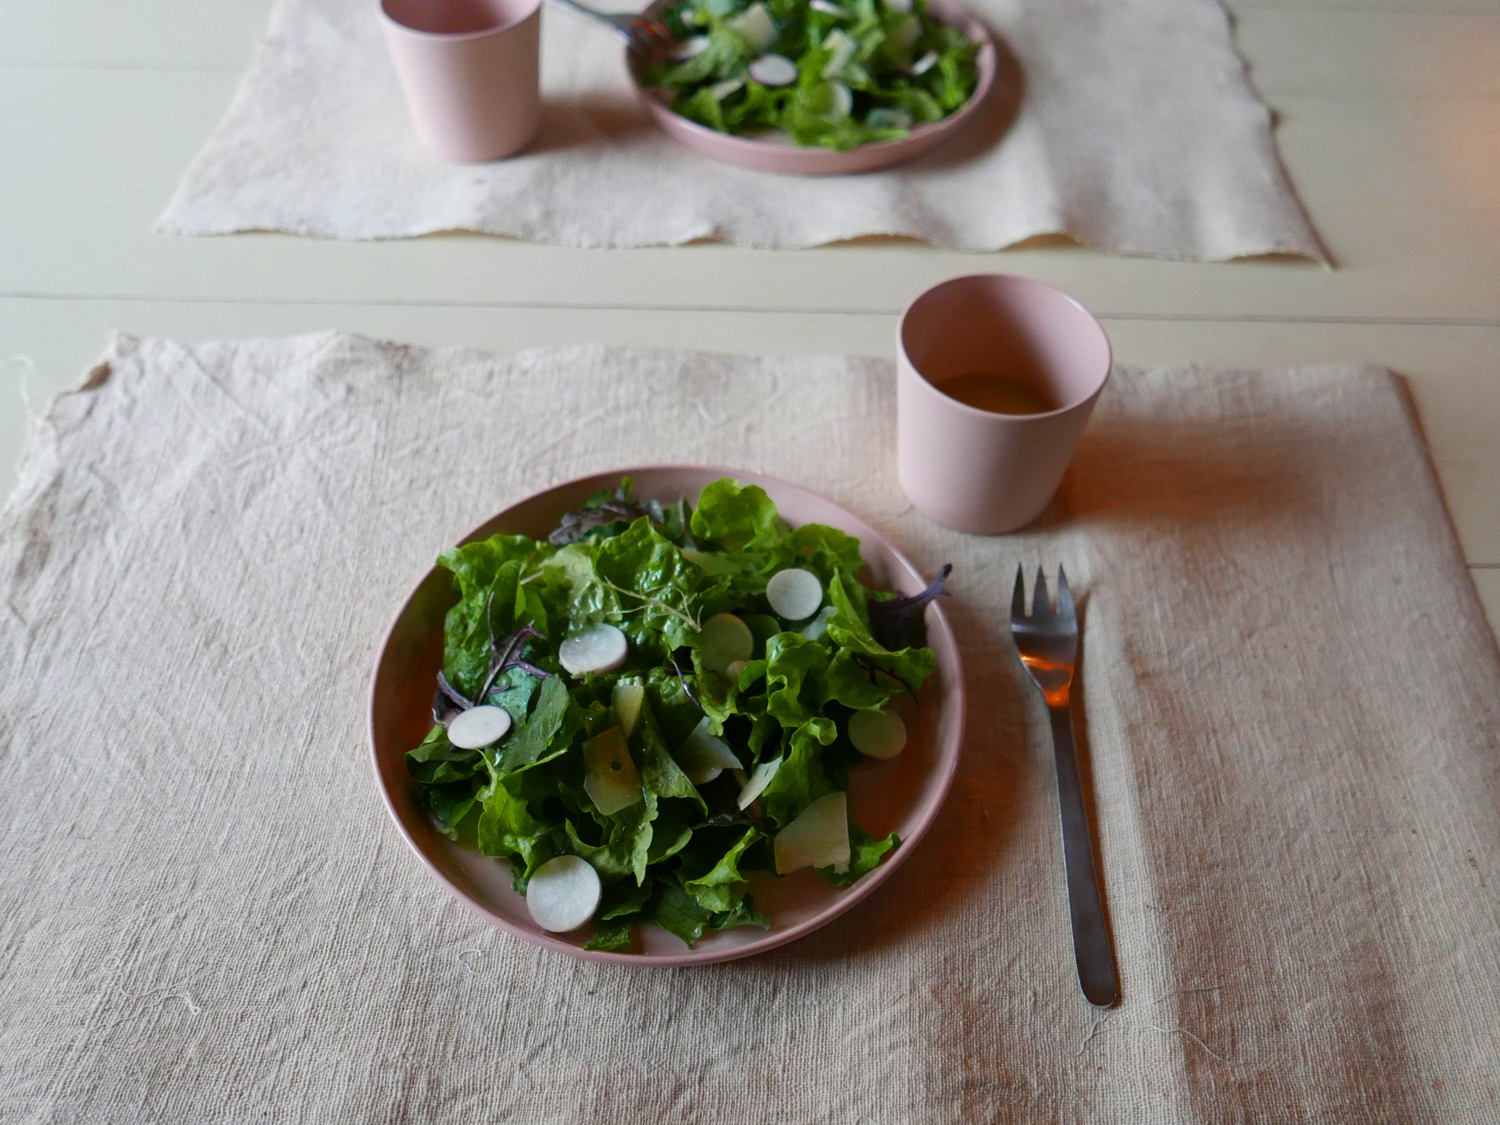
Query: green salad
{"points": [[835, 73], [656, 701]]}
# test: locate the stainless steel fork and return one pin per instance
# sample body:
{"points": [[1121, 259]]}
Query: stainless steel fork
{"points": [[1048, 643], [646, 34]]}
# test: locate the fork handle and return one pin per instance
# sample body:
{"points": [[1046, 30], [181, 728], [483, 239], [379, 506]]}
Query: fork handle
{"points": [[1096, 962]]}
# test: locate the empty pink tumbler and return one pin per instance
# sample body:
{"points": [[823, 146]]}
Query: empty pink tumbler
{"points": [[469, 70], [978, 469]]}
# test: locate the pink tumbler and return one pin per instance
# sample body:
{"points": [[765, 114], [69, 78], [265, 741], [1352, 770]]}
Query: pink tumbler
{"points": [[996, 339], [469, 70]]}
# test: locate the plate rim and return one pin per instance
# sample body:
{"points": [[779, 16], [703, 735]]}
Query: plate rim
{"points": [[856, 893]]}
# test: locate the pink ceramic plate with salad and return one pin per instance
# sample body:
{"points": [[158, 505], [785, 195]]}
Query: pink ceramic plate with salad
{"points": [[816, 87], [667, 715]]}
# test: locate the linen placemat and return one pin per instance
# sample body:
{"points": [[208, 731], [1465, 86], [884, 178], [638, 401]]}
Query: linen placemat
{"points": [[1289, 698], [1127, 124]]}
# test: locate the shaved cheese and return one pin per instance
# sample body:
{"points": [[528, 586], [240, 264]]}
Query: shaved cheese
{"points": [[610, 778], [689, 48], [703, 756], [756, 25], [817, 838], [843, 47], [626, 700], [756, 783]]}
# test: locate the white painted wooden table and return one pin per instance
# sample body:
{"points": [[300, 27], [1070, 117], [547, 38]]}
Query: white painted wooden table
{"points": [[1390, 126]]}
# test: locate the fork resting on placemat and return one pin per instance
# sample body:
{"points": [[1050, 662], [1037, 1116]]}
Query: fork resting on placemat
{"points": [[1047, 641]]}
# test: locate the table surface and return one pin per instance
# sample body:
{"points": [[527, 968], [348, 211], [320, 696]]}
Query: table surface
{"points": [[1389, 115]]}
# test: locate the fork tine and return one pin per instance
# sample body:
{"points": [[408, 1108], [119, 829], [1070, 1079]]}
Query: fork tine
{"points": [[1065, 608], [1041, 601], [1018, 599]]}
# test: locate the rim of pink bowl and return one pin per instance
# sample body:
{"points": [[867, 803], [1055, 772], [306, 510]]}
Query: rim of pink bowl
{"points": [[748, 152], [1021, 281], [854, 894], [509, 23]]}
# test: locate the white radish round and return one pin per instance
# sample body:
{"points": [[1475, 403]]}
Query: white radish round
{"points": [[817, 838], [734, 670], [888, 119], [794, 594], [703, 777], [725, 639], [722, 90], [877, 734], [774, 70], [817, 628], [479, 727], [599, 648], [689, 48], [563, 893], [828, 9]]}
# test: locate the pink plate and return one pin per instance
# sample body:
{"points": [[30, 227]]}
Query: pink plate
{"points": [[779, 154], [902, 795]]}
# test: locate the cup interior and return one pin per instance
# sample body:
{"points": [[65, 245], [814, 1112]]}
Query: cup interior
{"points": [[1011, 327], [457, 17]]}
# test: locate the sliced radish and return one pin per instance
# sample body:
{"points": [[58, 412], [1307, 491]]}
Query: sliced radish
{"points": [[756, 25], [817, 838], [703, 756], [725, 639], [888, 119], [479, 727], [563, 893], [843, 48], [610, 778], [721, 90], [774, 70], [599, 648], [877, 734], [689, 48], [925, 63], [627, 700], [756, 783], [795, 593], [734, 670], [817, 628], [828, 9]]}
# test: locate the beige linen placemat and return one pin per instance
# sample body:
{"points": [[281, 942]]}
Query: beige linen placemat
{"points": [[1134, 130], [1290, 699]]}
